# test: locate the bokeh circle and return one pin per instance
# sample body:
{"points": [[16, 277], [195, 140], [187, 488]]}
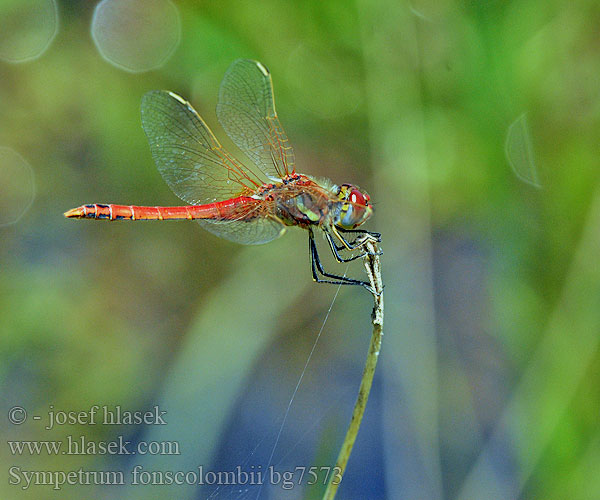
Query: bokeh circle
{"points": [[136, 35], [27, 28], [17, 187]]}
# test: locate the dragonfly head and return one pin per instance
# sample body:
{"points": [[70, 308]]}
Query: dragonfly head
{"points": [[354, 206]]}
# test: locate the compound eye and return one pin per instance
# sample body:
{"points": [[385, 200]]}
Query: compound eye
{"points": [[357, 197]]}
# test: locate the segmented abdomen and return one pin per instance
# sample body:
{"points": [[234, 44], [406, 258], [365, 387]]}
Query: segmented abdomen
{"points": [[223, 210]]}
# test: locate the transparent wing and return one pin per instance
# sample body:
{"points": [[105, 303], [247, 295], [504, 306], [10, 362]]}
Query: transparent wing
{"points": [[253, 232], [188, 155], [246, 110], [249, 223]]}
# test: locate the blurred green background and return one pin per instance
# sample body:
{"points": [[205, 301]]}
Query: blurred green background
{"points": [[475, 127]]}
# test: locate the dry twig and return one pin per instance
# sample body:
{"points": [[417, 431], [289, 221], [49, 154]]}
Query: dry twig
{"points": [[373, 267]]}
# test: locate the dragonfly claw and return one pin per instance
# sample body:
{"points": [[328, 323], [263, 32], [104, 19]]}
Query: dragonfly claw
{"points": [[369, 288], [372, 290], [366, 238]]}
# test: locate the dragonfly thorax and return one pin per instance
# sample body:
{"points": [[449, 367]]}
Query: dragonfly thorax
{"points": [[301, 207], [303, 201]]}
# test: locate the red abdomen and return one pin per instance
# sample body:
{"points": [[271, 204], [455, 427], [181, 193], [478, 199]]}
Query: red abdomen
{"points": [[222, 210]]}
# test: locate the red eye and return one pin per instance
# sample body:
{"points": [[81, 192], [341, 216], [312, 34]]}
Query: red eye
{"points": [[357, 197]]}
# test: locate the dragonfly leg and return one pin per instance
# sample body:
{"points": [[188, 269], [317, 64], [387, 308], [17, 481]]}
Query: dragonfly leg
{"points": [[316, 265], [335, 249], [361, 232], [359, 241]]}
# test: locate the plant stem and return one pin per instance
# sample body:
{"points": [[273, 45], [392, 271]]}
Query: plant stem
{"points": [[373, 267]]}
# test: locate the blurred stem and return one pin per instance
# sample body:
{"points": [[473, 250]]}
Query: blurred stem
{"points": [[373, 268]]}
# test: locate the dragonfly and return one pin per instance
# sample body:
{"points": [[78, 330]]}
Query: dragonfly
{"points": [[245, 203]]}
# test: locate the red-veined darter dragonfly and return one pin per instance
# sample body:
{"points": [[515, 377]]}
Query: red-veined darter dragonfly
{"points": [[248, 204]]}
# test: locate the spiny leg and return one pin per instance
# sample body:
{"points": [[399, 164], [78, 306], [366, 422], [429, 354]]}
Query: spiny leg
{"points": [[375, 236], [350, 246], [336, 250], [316, 265], [360, 240]]}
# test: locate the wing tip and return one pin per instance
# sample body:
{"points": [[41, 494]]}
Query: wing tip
{"points": [[262, 68], [177, 97]]}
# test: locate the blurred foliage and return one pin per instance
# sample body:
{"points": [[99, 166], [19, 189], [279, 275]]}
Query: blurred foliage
{"points": [[490, 366]]}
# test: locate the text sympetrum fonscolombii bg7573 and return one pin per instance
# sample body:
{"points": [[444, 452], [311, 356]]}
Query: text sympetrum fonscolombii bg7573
{"points": [[242, 203]]}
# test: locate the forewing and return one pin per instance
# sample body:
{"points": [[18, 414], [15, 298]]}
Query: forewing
{"points": [[246, 110], [188, 155]]}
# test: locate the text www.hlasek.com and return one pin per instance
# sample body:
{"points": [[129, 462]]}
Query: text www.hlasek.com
{"points": [[82, 446]]}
